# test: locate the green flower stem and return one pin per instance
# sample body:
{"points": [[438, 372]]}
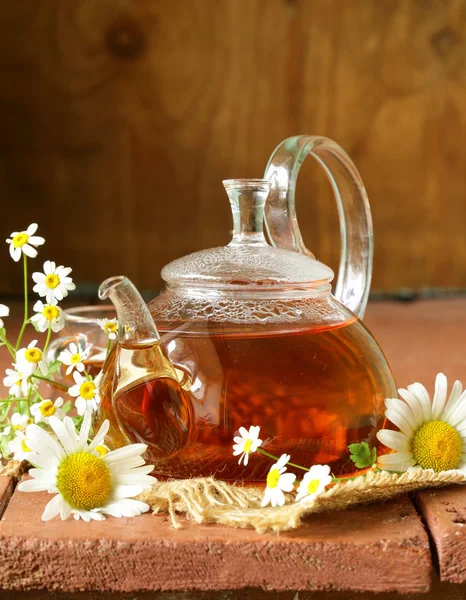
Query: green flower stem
{"points": [[47, 340], [11, 400], [20, 337], [334, 479], [108, 347], [276, 458], [65, 387], [10, 348]]}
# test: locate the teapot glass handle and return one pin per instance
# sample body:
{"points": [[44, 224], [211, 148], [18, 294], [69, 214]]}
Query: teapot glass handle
{"points": [[355, 270]]}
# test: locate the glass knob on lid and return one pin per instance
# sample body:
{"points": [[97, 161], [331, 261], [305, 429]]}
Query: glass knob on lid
{"points": [[248, 261]]}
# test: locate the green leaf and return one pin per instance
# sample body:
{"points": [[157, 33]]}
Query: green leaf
{"points": [[362, 455], [53, 366], [66, 407]]}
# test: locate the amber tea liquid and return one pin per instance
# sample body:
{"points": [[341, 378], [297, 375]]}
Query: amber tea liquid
{"points": [[311, 391]]}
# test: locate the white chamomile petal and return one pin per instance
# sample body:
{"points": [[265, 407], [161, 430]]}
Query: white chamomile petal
{"points": [[423, 396], [457, 413], [394, 440], [440, 396], [413, 402]]}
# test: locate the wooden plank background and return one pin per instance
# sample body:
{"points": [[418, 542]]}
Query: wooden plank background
{"points": [[120, 118]]}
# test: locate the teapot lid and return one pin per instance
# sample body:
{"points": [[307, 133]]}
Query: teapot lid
{"points": [[248, 261]]}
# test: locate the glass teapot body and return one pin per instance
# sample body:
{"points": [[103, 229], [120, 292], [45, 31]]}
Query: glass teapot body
{"points": [[251, 334], [304, 368]]}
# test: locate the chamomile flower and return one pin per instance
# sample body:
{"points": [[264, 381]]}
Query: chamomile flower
{"points": [[432, 433], [314, 482], [19, 422], [17, 381], [28, 359], [246, 442], [42, 411], [24, 241], [86, 486], [19, 446], [54, 283], [4, 312], [48, 315], [278, 482], [110, 326], [74, 357], [86, 393]]}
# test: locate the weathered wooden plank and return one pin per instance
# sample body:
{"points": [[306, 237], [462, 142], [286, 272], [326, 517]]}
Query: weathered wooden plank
{"points": [[6, 491], [366, 549], [121, 118], [445, 514]]}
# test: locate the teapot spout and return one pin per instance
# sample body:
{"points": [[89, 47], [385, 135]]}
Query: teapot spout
{"points": [[135, 322]]}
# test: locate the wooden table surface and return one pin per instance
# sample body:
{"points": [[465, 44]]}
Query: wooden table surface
{"points": [[411, 546]]}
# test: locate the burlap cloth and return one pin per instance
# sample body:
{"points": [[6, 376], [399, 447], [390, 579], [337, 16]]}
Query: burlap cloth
{"points": [[210, 501]]}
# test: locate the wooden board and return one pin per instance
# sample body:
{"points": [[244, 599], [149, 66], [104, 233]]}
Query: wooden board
{"points": [[359, 550], [445, 514], [121, 118]]}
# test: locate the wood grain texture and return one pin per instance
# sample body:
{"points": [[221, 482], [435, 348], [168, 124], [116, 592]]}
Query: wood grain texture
{"points": [[121, 118], [146, 554], [445, 514]]}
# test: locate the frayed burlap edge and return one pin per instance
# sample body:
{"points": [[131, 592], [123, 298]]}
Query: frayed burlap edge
{"points": [[207, 500], [13, 468]]}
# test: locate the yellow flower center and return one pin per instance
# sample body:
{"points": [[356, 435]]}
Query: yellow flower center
{"points": [[272, 478], [313, 486], [84, 481], [22, 427], [19, 240], [51, 312], [75, 359], [87, 390], [24, 446], [101, 450], [111, 327], [437, 445], [52, 280], [47, 408], [33, 355], [247, 445]]}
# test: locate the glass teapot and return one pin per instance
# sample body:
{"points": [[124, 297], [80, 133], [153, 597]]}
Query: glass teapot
{"points": [[250, 334]]}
